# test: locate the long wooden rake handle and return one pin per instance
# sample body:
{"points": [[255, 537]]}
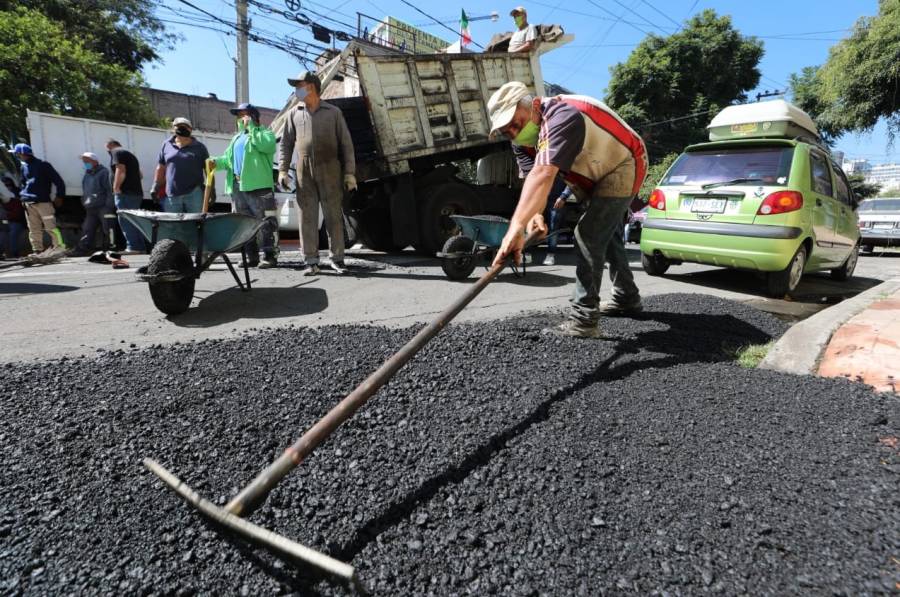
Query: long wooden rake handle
{"points": [[255, 493]]}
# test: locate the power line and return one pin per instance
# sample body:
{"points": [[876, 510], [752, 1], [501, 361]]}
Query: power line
{"points": [[619, 18], [677, 24], [455, 32], [640, 16]]}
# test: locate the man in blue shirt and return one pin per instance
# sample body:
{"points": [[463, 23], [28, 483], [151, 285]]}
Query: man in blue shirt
{"points": [[182, 159], [37, 178]]}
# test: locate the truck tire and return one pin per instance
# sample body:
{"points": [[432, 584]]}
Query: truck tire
{"points": [[458, 268], [171, 256], [435, 224], [786, 281], [375, 230]]}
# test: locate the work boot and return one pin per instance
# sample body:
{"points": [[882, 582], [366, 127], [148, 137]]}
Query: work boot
{"points": [[313, 270], [269, 261], [338, 267], [550, 259], [576, 329], [614, 309]]}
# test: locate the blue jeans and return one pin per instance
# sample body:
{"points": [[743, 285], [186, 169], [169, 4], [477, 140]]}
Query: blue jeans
{"points": [[95, 217], [133, 237], [598, 238], [556, 216], [10, 235], [256, 203], [190, 203]]}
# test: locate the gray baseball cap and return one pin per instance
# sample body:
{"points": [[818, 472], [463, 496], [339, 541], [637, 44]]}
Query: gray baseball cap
{"points": [[307, 77]]}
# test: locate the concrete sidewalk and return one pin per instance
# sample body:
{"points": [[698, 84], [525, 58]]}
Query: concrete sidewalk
{"points": [[858, 339]]}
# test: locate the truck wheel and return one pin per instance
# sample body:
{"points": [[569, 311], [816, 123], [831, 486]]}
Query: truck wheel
{"points": [[171, 257], [655, 265], [846, 270], [781, 283], [375, 230], [458, 268], [435, 224]]}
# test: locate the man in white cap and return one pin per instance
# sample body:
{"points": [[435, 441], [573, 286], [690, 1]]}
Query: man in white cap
{"points": [[316, 133], [525, 37], [603, 161], [97, 199]]}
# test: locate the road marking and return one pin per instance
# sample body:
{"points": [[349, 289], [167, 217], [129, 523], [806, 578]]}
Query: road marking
{"points": [[72, 273]]}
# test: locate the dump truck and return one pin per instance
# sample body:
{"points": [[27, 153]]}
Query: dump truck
{"points": [[418, 116]]}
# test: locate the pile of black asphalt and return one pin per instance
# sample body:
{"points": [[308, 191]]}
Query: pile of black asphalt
{"points": [[501, 460]]}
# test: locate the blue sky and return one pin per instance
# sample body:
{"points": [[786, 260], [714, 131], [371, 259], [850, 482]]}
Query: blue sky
{"points": [[795, 33]]}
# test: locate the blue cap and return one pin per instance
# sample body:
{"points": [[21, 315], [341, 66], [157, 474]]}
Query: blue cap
{"points": [[245, 108], [23, 148]]}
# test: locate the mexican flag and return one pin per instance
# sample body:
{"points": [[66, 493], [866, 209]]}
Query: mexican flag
{"points": [[465, 36]]}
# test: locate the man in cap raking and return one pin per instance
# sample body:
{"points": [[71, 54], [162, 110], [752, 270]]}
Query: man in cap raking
{"points": [[603, 161]]}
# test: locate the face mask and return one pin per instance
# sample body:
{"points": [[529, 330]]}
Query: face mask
{"points": [[183, 131], [520, 20], [528, 136], [301, 93], [87, 166]]}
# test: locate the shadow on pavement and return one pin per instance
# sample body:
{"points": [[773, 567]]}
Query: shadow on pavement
{"points": [[260, 303], [28, 288]]}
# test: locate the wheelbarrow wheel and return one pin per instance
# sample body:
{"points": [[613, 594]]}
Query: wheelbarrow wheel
{"points": [[458, 268], [171, 257]]}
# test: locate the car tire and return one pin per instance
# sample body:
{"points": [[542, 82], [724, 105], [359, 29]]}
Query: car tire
{"points": [[845, 272], [786, 281], [868, 249], [655, 265]]}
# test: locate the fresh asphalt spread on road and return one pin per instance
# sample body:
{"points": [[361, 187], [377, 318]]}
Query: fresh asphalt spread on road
{"points": [[501, 460]]}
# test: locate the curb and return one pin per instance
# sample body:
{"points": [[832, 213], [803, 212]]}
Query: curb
{"points": [[800, 349]]}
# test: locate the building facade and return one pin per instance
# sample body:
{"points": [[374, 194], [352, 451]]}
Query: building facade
{"points": [[205, 113]]}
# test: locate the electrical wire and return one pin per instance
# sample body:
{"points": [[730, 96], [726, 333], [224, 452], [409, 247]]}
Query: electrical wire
{"points": [[414, 7]]}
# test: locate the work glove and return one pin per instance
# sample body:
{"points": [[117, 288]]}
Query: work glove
{"points": [[284, 181], [349, 183]]}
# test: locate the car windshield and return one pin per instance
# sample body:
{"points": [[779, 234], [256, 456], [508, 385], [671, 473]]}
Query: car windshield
{"points": [[880, 205], [744, 166]]}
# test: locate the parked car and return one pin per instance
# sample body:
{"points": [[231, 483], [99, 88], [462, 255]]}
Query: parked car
{"points": [[635, 224], [763, 195], [879, 223]]}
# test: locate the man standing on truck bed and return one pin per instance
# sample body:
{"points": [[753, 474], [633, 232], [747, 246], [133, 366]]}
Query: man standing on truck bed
{"points": [[248, 166], [604, 163], [37, 177], [525, 37], [316, 132], [127, 191], [182, 160]]}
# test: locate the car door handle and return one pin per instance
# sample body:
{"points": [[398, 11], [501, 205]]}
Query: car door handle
{"points": [[818, 203]]}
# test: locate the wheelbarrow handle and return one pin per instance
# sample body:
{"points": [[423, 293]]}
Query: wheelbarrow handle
{"points": [[210, 186], [255, 493]]}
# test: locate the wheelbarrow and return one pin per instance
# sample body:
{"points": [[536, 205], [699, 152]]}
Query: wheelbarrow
{"points": [[481, 237], [172, 270]]}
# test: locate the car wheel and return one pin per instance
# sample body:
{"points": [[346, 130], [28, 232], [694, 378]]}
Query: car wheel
{"points": [[656, 264], [845, 272], [867, 249], [786, 281]]}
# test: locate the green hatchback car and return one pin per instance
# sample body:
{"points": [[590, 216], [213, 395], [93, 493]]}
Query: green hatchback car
{"points": [[764, 195]]}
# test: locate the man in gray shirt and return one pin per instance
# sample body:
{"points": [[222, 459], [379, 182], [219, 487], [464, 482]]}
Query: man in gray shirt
{"points": [[316, 133]]}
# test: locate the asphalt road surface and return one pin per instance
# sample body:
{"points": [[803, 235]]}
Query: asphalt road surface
{"points": [[78, 308]]}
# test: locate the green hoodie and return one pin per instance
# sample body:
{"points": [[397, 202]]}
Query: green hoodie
{"points": [[259, 152]]}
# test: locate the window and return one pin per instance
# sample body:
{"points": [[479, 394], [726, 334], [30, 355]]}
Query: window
{"points": [[762, 165], [841, 186], [821, 175]]}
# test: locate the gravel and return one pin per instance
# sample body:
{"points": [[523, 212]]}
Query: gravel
{"points": [[502, 460]]}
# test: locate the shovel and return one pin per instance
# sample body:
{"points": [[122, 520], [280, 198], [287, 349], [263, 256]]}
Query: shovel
{"points": [[253, 495]]}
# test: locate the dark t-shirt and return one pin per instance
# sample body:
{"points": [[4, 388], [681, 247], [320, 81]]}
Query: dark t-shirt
{"points": [[132, 183], [560, 141], [184, 166]]}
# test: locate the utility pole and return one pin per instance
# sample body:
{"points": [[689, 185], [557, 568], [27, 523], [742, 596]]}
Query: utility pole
{"points": [[241, 68]]}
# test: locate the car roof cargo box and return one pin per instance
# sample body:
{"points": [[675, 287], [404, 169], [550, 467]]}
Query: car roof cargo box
{"points": [[776, 118]]}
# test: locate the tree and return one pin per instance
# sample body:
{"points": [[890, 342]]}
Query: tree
{"points": [[655, 174], [44, 68], [895, 192], [861, 188], [684, 79], [124, 32], [858, 83]]}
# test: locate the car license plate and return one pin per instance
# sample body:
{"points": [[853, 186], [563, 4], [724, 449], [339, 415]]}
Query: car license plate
{"points": [[715, 206], [884, 225]]}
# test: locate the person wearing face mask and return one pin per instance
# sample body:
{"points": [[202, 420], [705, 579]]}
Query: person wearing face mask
{"points": [[179, 170], [97, 200], [37, 178], [316, 133], [603, 161], [525, 37], [248, 165]]}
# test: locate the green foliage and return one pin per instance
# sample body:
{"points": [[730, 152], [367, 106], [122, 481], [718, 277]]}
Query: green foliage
{"points": [[124, 32], [44, 68], [861, 188], [699, 70], [654, 174], [750, 356], [895, 192], [858, 84]]}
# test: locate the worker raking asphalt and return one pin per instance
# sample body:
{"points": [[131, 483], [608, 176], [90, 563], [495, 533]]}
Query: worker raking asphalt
{"points": [[500, 460]]}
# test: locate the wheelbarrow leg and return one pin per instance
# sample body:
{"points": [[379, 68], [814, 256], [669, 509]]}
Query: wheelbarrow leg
{"points": [[234, 273]]}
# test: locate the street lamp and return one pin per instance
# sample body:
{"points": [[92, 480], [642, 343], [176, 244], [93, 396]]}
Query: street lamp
{"points": [[493, 17]]}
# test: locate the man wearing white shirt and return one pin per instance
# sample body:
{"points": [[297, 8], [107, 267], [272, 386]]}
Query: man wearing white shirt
{"points": [[525, 38]]}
